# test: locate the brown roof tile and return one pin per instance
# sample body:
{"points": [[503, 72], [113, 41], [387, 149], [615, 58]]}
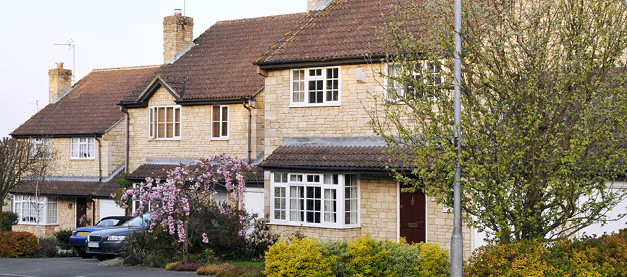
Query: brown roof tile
{"points": [[73, 188], [329, 157], [90, 107], [220, 65], [345, 29], [160, 171]]}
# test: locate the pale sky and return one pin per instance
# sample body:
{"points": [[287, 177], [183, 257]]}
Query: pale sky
{"points": [[107, 33]]}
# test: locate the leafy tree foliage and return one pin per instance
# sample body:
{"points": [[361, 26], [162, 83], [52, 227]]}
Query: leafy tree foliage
{"points": [[544, 110]]}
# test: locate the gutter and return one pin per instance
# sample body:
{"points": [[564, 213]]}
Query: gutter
{"points": [[99, 159], [317, 63], [126, 152]]}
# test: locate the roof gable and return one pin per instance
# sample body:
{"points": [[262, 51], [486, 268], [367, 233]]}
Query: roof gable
{"points": [[220, 65]]}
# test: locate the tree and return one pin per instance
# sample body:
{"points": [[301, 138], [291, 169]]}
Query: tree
{"points": [[18, 159], [544, 110], [187, 189]]}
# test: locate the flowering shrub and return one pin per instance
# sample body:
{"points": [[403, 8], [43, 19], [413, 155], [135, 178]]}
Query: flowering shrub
{"points": [[15, 244], [84, 221], [186, 190]]}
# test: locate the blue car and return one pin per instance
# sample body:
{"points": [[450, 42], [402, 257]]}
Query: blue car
{"points": [[109, 242], [79, 235]]}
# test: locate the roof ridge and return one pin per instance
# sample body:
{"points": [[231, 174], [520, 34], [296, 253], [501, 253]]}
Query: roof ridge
{"points": [[125, 68], [241, 20]]}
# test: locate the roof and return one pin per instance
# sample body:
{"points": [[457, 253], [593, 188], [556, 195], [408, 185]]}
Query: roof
{"points": [[353, 158], [89, 108], [160, 171], [71, 188], [345, 29], [220, 65]]}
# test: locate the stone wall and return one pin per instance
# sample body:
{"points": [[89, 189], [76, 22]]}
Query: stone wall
{"points": [[350, 119], [440, 227], [195, 141], [113, 148]]}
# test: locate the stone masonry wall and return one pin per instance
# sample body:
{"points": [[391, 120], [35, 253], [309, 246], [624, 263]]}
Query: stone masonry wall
{"points": [[64, 166], [113, 148], [196, 141], [350, 119], [440, 227]]}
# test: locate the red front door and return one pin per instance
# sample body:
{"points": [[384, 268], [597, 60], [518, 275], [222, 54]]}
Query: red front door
{"points": [[413, 216]]}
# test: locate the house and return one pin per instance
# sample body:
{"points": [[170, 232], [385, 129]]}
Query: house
{"points": [[84, 130], [325, 168]]}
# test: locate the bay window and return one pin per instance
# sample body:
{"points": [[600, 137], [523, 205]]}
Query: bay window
{"points": [[30, 209], [315, 86], [164, 122], [325, 200]]}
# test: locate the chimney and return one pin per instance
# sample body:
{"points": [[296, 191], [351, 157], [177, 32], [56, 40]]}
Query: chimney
{"points": [[58, 80], [177, 33]]}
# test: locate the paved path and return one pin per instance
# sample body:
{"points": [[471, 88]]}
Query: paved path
{"points": [[76, 267]]}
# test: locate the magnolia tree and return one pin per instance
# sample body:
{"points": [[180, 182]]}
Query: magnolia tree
{"points": [[544, 105], [187, 188]]}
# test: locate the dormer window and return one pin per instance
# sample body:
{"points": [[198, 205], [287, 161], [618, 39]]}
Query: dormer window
{"points": [[165, 122], [315, 87]]}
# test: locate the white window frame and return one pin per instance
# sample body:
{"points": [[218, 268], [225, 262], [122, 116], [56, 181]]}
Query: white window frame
{"points": [[426, 72], [304, 90], [26, 208], [40, 143], [220, 121], [288, 210], [76, 153], [154, 124]]}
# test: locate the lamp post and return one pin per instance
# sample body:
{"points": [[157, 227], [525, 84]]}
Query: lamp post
{"points": [[457, 242]]}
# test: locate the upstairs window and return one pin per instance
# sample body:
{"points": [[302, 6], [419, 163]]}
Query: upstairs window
{"points": [[40, 147], [419, 81], [82, 148], [165, 122], [220, 122], [315, 86]]}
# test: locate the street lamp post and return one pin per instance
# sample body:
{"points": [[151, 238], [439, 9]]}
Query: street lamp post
{"points": [[457, 242]]}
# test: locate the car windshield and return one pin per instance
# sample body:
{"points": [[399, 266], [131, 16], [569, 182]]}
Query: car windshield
{"points": [[139, 221], [108, 222]]}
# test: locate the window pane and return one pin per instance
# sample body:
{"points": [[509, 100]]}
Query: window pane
{"points": [[151, 123]]}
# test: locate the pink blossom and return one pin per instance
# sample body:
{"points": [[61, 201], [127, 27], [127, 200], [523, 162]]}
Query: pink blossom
{"points": [[204, 238]]}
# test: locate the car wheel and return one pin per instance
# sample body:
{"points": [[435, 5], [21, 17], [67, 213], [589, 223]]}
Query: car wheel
{"points": [[101, 257], [84, 254]]}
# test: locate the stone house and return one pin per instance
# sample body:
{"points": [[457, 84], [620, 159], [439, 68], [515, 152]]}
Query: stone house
{"points": [[84, 130], [325, 170]]}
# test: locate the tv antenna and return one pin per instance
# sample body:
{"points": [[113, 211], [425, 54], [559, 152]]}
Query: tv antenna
{"points": [[72, 46], [36, 104]]}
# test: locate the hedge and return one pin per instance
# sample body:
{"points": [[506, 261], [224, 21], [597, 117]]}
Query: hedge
{"points": [[15, 244]]}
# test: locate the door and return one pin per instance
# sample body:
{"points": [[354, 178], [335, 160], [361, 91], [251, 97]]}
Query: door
{"points": [[413, 216], [81, 210]]}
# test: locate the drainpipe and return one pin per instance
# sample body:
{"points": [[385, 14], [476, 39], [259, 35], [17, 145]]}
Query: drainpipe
{"points": [[99, 159], [250, 119], [93, 211], [128, 119]]}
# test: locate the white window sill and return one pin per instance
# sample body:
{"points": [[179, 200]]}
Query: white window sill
{"points": [[83, 159], [164, 139], [220, 138], [312, 225], [35, 224], [293, 105]]}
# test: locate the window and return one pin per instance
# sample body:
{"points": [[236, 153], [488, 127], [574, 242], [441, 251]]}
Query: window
{"points": [[40, 147], [316, 86], [29, 210], [220, 122], [324, 200], [82, 148], [165, 122], [405, 85]]}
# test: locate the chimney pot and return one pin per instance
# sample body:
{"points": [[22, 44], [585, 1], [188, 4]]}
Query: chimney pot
{"points": [[177, 12], [59, 64]]}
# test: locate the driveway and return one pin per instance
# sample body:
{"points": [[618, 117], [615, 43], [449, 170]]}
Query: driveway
{"points": [[75, 266]]}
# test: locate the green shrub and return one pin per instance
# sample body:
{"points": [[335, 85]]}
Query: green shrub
{"points": [[48, 247], [15, 244], [7, 220], [368, 257], [299, 258], [63, 238], [435, 260], [524, 258], [170, 266], [338, 249], [112, 262], [404, 259]]}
